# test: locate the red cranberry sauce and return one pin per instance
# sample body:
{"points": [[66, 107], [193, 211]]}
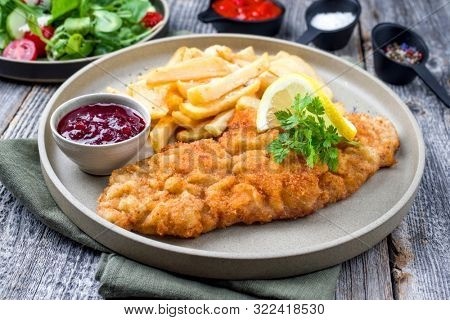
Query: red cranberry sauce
{"points": [[101, 123]]}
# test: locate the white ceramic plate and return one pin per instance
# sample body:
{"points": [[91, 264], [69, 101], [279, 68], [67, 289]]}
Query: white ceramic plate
{"points": [[278, 249]]}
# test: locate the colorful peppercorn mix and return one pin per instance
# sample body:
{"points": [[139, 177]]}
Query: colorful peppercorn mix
{"points": [[403, 53]]}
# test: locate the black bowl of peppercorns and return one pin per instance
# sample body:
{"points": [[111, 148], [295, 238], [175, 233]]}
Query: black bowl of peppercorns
{"points": [[395, 50], [400, 55]]}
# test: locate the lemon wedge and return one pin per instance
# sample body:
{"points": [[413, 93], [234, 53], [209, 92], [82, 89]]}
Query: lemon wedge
{"points": [[280, 95]]}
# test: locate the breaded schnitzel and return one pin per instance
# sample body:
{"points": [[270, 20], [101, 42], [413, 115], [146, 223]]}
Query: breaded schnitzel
{"points": [[192, 188]]}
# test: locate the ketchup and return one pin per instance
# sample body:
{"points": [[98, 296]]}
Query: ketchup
{"points": [[247, 10], [100, 123]]}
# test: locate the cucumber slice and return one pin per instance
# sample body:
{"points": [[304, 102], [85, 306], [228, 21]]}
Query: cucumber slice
{"points": [[107, 21], [14, 21]]}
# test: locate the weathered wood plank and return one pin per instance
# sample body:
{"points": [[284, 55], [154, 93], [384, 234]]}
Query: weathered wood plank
{"points": [[419, 247], [366, 276], [12, 95], [36, 262], [26, 120], [41, 264]]}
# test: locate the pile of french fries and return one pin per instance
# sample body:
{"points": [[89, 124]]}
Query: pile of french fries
{"points": [[195, 94]]}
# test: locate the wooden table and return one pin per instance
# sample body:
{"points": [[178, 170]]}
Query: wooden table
{"points": [[411, 263]]}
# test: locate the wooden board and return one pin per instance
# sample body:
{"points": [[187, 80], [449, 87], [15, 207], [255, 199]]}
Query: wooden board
{"points": [[412, 263]]}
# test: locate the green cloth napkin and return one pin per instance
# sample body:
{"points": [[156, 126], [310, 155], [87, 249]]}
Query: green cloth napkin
{"points": [[120, 277]]}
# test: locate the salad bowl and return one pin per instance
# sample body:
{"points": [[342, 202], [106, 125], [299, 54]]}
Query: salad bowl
{"points": [[51, 70]]}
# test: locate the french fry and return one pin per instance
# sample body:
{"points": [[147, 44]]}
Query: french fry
{"points": [[294, 64], [177, 56], [153, 99], [280, 54], [184, 121], [241, 63], [173, 100], [193, 135], [182, 54], [184, 86], [161, 133], [247, 54], [172, 97], [288, 65], [220, 51], [267, 78], [194, 69], [226, 102], [233, 67], [191, 53], [217, 88], [247, 102], [218, 125]]}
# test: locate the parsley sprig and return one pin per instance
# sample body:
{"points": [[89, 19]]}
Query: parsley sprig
{"points": [[305, 132]]}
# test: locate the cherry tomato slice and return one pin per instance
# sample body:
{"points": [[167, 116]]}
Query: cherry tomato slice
{"points": [[22, 49], [47, 32], [151, 19]]}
